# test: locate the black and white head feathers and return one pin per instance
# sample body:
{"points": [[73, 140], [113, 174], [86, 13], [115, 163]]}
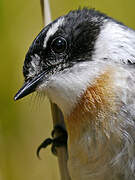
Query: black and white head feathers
{"points": [[81, 38], [77, 33]]}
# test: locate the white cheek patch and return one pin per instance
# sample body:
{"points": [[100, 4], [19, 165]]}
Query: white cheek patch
{"points": [[53, 30]]}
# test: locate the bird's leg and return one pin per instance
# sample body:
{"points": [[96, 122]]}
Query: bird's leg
{"points": [[59, 138]]}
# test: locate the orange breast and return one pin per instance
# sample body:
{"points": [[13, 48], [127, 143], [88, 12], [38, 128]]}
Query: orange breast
{"points": [[94, 107]]}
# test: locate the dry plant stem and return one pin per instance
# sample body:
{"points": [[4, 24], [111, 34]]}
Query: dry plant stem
{"points": [[42, 8], [57, 115], [61, 151]]}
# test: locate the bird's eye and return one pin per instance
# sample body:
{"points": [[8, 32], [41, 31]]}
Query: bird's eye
{"points": [[59, 45]]}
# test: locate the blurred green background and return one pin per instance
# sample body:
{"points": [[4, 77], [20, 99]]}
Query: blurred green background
{"points": [[26, 123]]}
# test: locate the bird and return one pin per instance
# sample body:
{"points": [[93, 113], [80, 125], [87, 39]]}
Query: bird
{"points": [[84, 62]]}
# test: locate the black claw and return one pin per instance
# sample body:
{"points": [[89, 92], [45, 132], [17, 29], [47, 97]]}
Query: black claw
{"points": [[59, 129], [59, 139], [59, 142], [44, 144]]}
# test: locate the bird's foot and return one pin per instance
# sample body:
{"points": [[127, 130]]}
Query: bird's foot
{"points": [[59, 139]]}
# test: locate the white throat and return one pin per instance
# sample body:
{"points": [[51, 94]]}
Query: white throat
{"points": [[66, 87]]}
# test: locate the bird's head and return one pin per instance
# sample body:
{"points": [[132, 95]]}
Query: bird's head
{"points": [[66, 56]]}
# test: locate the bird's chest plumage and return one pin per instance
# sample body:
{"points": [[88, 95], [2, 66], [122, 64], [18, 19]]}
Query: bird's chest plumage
{"points": [[95, 105], [90, 142], [88, 161]]}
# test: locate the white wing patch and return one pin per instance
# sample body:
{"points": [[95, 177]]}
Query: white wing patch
{"points": [[53, 30]]}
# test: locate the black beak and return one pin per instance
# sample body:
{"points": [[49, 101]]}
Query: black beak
{"points": [[29, 86]]}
